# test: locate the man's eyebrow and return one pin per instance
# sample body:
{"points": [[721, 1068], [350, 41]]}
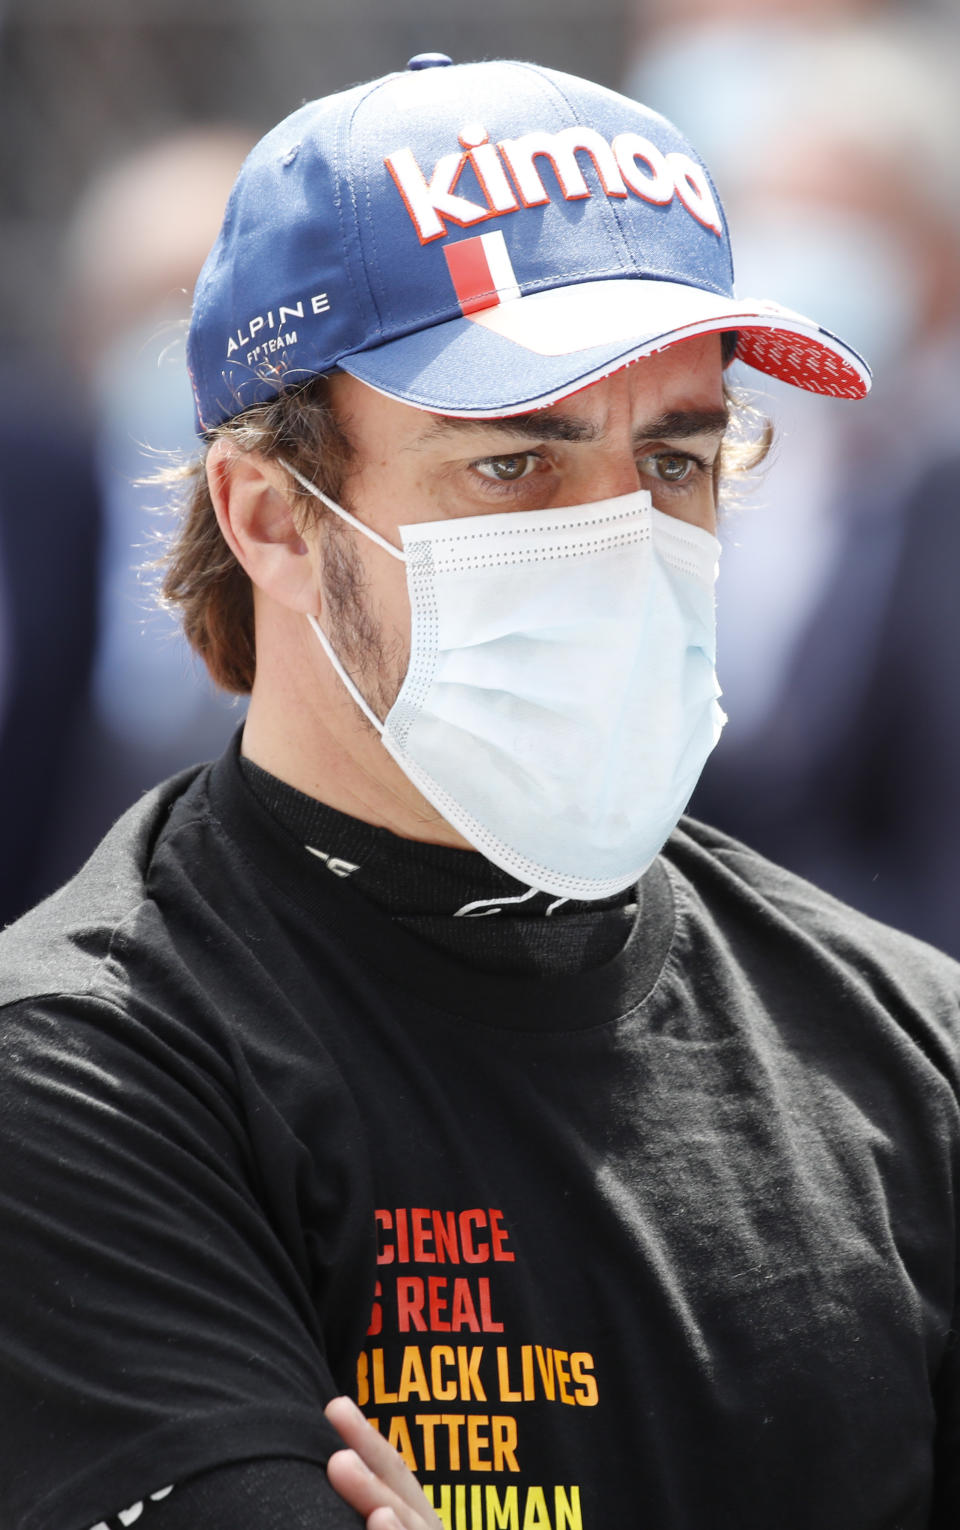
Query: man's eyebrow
{"points": [[535, 426], [678, 424], [675, 425]]}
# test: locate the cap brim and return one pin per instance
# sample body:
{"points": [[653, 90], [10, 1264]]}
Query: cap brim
{"points": [[528, 352]]}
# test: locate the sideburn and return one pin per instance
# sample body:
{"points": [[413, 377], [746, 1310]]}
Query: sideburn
{"points": [[375, 666]]}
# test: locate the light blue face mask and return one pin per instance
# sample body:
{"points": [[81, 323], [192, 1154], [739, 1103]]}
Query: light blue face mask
{"points": [[561, 697]]}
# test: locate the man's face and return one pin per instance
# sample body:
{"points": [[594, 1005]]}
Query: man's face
{"points": [[656, 425]]}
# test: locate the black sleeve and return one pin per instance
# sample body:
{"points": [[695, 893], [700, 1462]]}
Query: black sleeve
{"points": [[155, 1323], [249, 1495]]}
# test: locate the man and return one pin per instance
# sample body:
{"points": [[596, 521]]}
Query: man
{"points": [[406, 1053]]}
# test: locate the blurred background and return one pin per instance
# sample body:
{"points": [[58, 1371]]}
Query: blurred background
{"points": [[831, 127]]}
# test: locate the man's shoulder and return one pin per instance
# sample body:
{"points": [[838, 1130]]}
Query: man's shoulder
{"points": [[772, 916], [717, 865], [60, 946]]}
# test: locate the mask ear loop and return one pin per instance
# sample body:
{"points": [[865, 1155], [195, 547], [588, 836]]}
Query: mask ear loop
{"points": [[351, 520], [351, 688], [373, 536]]}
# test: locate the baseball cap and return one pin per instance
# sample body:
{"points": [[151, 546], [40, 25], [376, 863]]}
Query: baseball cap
{"points": [[477, 239]]}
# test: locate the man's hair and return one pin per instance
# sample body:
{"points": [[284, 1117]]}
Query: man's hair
{"points": [[211, 589]]}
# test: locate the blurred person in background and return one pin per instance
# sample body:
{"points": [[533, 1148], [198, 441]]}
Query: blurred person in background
{"points": [[49, 546], [133, 253], [838, 161]]}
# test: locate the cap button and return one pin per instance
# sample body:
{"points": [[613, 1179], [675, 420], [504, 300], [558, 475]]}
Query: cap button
{"points": [[429, 61]]}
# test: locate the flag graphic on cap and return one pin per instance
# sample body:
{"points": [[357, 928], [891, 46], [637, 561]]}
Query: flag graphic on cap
{"points": [[481, 271]]}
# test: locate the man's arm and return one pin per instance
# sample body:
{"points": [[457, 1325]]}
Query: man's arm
{"points": [[153, 1319], [269, 1494], [368, 1480]]}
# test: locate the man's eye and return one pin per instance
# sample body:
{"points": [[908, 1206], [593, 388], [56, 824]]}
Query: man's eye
{"points": [[507, 469], [671, 467]]}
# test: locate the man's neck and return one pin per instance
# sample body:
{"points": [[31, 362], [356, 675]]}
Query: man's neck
{"points": [[304, 729], [455, 899]]}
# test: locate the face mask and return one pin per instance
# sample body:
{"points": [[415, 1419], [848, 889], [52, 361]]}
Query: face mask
{"points": [[560, 699]]}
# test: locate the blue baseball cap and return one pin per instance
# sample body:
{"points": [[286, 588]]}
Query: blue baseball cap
{"points": [[477, 240]]}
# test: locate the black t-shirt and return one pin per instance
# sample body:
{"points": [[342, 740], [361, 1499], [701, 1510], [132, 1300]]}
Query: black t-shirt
{"points": [[670, 1243]]}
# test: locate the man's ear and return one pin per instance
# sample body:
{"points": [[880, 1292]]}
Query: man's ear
{"points": [[255, 515]]}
